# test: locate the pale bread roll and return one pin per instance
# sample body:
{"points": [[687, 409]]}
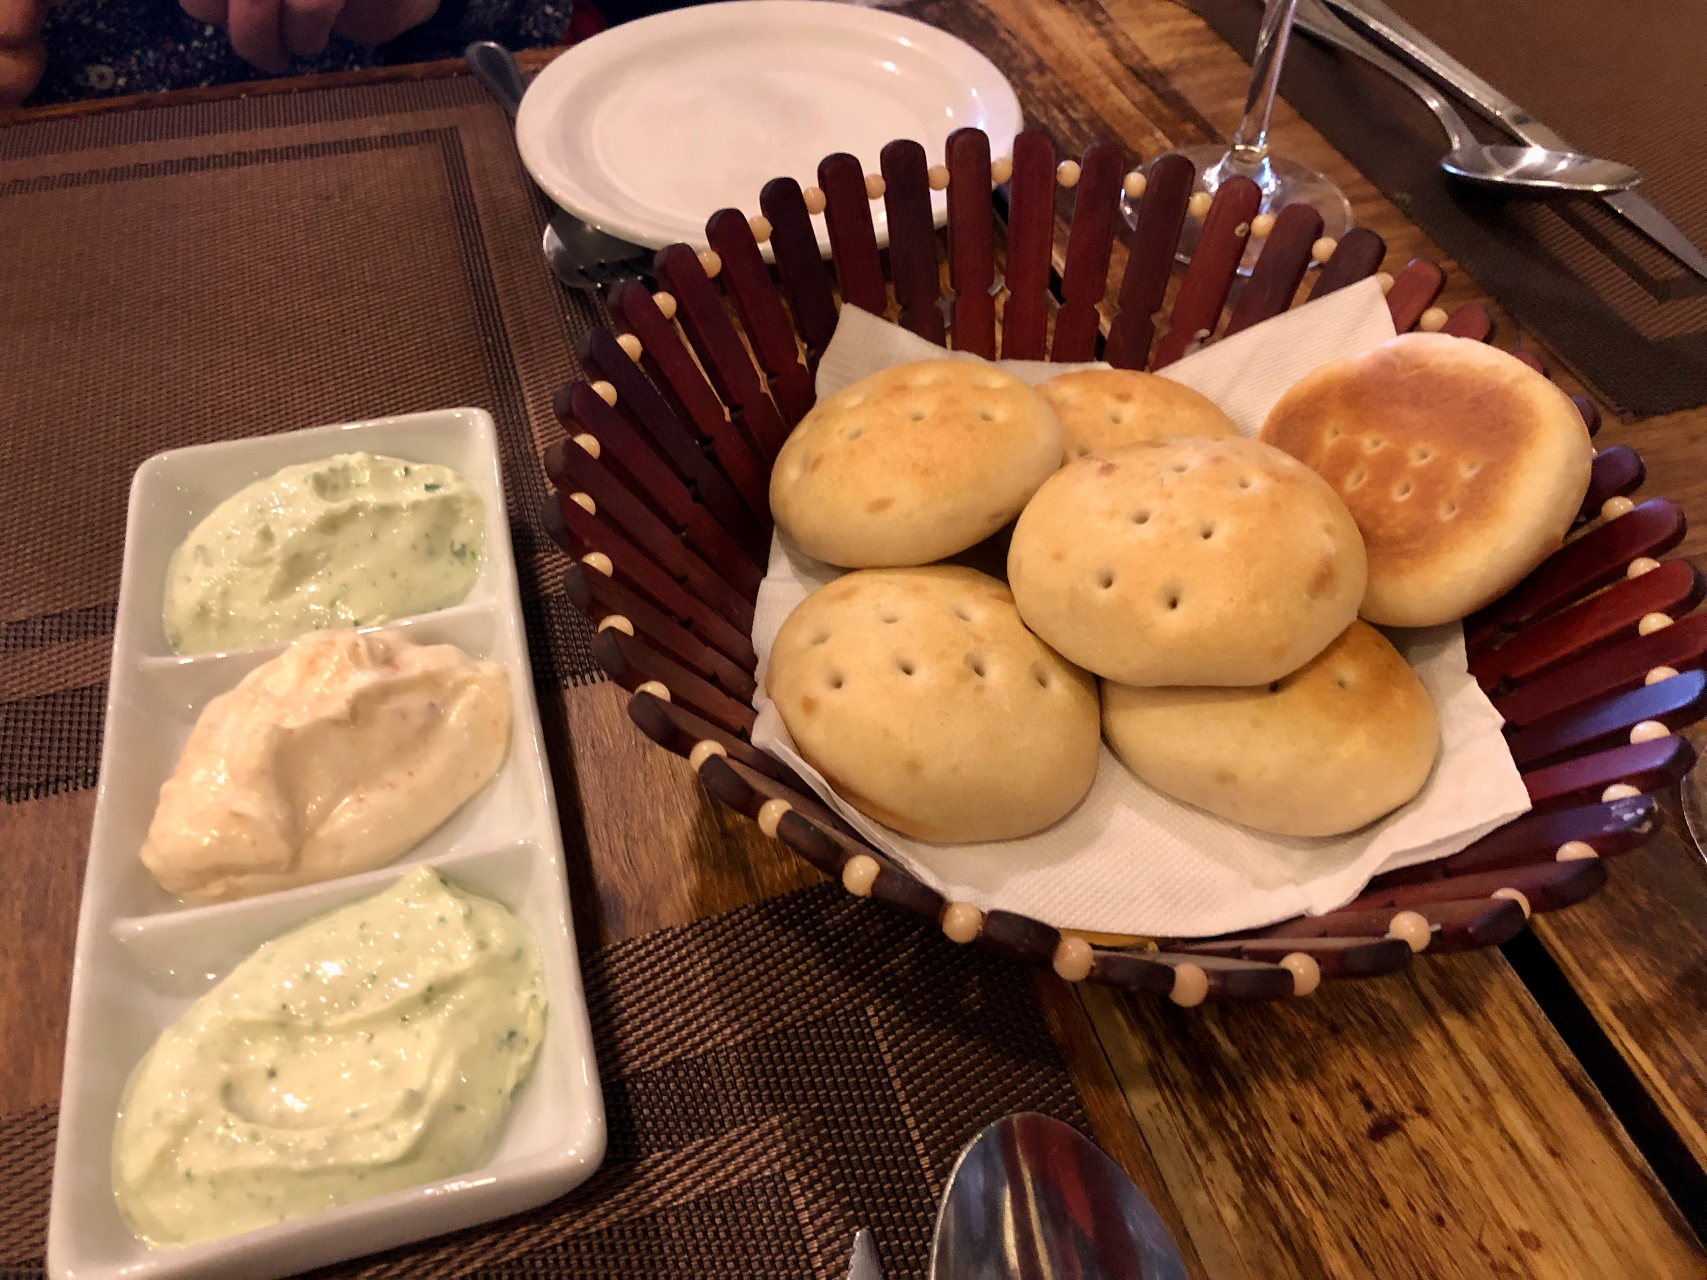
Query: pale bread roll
{"points": [[1219, 562], [1105, 408], [1463, 467], [1332, 747], [913, 464], [926, 704]]}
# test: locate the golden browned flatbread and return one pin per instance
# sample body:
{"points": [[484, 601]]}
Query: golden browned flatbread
{"points": [[913, 464], [927, 705], [1332, 747], [1463, 468], [1184, 561], [1105, 408]]}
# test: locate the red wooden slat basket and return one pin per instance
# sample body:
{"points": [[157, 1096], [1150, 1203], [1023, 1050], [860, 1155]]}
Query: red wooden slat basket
{"points": [[661, 499]]}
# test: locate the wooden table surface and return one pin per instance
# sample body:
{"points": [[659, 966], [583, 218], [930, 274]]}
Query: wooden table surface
{"points": [[1473, 1118]]}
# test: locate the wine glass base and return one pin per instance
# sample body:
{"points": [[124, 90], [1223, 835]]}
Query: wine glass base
{"points": [[1692, 793], [1283, 182]]}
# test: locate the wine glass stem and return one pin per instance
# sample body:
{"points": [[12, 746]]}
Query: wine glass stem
{"points": [[1249, 153]]}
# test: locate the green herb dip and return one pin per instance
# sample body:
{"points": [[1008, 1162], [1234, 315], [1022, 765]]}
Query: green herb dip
{"points": [[349, 541], [375, 1048]]}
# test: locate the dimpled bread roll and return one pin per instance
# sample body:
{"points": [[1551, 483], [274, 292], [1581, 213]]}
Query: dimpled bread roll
{"points": [[1332, 747], [1103, 409], [927, 705], [1219, 562], [913, 464], [1463, 467]]}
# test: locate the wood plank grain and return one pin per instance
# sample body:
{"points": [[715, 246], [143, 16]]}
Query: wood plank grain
{"points": [[1375, 1129], [1638, 994]]}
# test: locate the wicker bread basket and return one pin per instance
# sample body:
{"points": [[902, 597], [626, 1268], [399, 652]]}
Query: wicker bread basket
{"points": [[661, 497]]}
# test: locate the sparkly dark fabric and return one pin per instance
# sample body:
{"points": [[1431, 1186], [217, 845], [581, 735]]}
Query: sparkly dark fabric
{"points": [[109, 48]]}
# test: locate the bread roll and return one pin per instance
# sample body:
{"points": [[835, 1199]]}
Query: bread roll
{"points": [[1105, 408], [1220, 562], [913, 464], [1332, 747], [1462, 466], [927, 705]]}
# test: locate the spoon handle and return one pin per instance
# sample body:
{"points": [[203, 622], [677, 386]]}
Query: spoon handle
{"points": [[1315, 19], [496, 68], [1380, 19]]}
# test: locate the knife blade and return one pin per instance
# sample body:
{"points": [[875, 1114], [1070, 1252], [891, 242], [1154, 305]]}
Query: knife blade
{"points": [[1642, 215], [1394, 31], [864, 1265]]}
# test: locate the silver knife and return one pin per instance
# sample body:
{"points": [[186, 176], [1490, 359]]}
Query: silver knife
{"points": [[864, 1265], [1639, 213]]}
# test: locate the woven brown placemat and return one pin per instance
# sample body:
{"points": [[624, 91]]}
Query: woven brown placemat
{"points": [[774, 1078], [194, 273], [1619, 81]]}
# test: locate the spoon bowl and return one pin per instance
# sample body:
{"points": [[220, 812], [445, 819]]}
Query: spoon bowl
{"points": [[1539, 168], [1032, 1197]]}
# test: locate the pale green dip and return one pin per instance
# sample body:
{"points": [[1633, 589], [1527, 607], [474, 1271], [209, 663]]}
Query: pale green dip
{"points": [[375, 1048], [349, 541]]}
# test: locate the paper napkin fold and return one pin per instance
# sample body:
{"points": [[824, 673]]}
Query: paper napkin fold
{"points": [[1129, 859]]}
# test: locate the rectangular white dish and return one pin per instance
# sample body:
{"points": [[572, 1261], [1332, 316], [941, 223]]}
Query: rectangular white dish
{"points": [[143, 957]]}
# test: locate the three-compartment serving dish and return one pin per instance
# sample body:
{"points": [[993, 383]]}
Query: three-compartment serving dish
{"points": [[662, 497], [143, 957]]}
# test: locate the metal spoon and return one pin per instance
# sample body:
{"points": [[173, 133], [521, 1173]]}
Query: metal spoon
{"points": [[1031, 1198], [1502, 166]]}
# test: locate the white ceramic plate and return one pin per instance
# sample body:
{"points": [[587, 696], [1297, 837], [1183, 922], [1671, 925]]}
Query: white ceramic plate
{"points": [[648, 128], [143, 957]]}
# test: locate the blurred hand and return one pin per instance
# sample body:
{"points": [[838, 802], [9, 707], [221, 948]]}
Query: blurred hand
{"points": [[22, 56], [268, 33]]}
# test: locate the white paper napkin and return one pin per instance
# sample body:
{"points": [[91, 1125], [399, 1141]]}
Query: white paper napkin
{"points": [[1129, 859]]}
